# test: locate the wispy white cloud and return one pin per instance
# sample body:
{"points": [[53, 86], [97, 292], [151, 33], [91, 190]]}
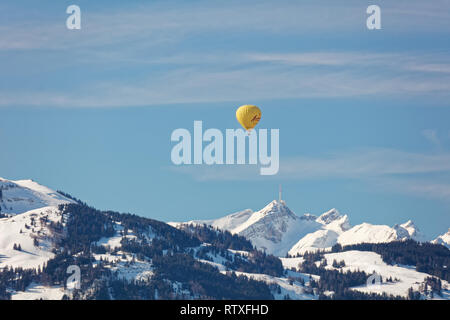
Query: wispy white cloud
{"points": [[385, 169], [432, 189], [136, 38], [364, 163], [327, 58], [405, 61], [212, 78], [155, 22], [440, 68], [417, 187], [199, 84]]}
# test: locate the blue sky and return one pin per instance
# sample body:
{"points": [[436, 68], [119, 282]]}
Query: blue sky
{"points": [[363, 115]]}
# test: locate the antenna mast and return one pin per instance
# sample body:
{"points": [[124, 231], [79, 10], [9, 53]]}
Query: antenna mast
{"points": [[279, 193]]}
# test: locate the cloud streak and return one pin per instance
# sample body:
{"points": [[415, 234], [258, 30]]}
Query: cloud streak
{"points": [[416, 187], [364, 163], [386, 169], [142, 38], [175, 20], [211, 78]]}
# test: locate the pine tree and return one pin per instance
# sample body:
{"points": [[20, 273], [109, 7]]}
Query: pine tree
{"points": [[335, 264], [411, 294]]}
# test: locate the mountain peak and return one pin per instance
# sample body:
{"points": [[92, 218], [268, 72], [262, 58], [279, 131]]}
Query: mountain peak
{"points": [[413, 231], [277, 203], [329, 216], [408, 224], [402, 232], [277, 208], [443, 239]]}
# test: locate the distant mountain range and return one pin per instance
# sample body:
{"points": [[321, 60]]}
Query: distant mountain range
{"points": [[268, 254], [278, 231]]}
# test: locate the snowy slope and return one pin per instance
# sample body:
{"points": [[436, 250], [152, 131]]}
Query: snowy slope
{"points": [[443, 239], [289, 263], [320, 239], [24, 195], [371, 262], [31, 208], [294, 291], [127, 265], [229, 222], [370, 233], [38, 292], [337, 229], [289, 284], [22, 230]]}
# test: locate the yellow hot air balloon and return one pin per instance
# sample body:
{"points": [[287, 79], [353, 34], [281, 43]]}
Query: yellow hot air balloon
{"points": [[248, 116]]}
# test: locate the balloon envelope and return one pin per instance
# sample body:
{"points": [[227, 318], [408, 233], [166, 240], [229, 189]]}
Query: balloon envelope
{"points": [[248, 116]]}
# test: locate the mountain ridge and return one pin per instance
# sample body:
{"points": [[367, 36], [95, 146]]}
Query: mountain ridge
{"points": [[19, 196], [123, 256], [443, 239], [275, 227]]}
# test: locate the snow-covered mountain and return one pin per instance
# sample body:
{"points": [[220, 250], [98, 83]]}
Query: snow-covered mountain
{"points": [[31, 231], [274, 229], [413, 231], [277, 230], [332, 225], [24, 195], [370, 233], [35, 231], [229, 222], [443, 239], [30, 209]]}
